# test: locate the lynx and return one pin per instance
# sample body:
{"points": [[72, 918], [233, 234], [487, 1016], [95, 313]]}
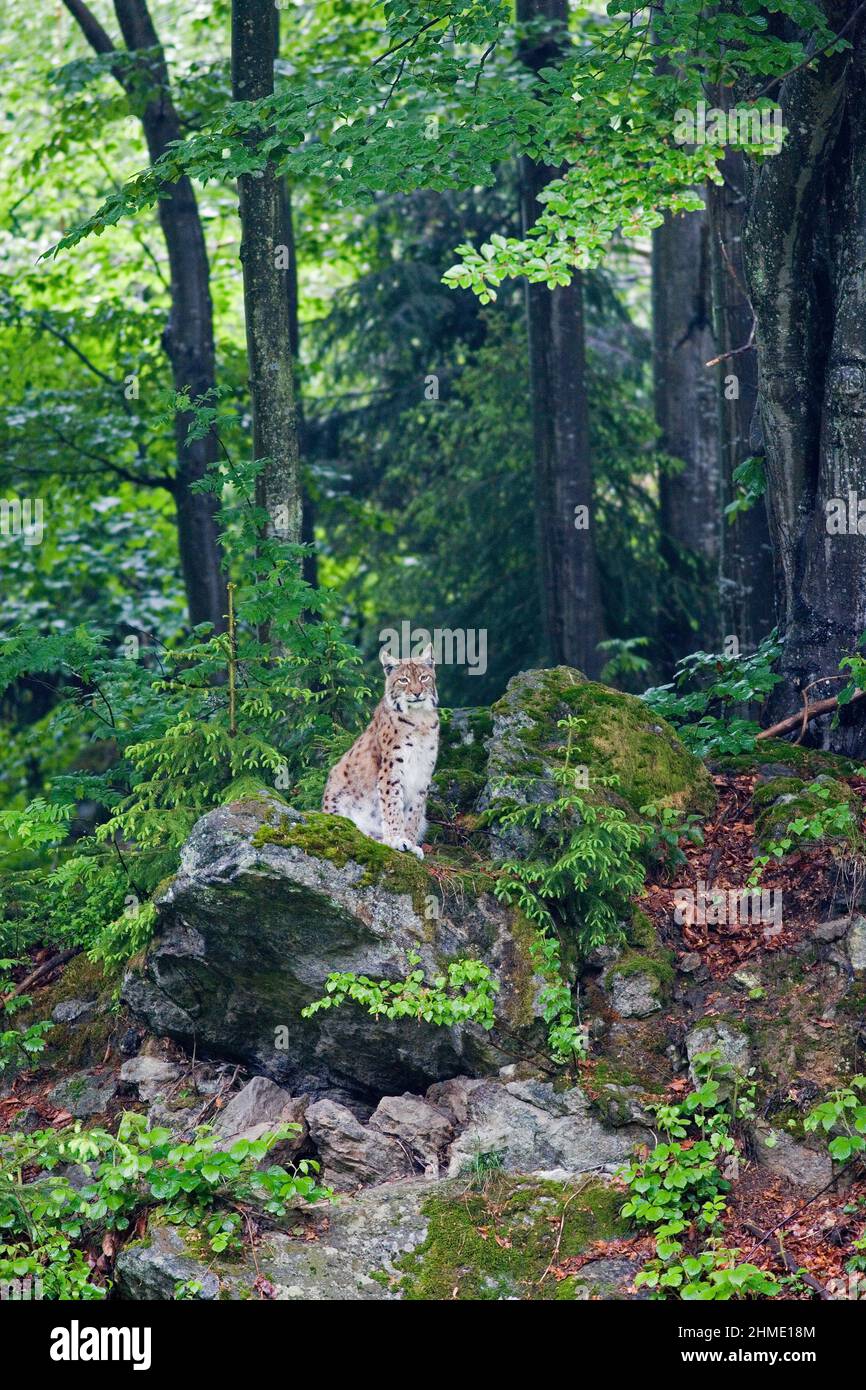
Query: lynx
{"points": [[381, 783]]}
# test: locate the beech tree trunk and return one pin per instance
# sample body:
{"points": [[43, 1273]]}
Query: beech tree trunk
{"points": [[747, 577], [805, 248], [687, 415], [265, 256], [188, 337], [569, 583]]}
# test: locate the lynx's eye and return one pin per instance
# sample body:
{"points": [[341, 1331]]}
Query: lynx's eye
{"points": [[426, 676], [402, 680]]}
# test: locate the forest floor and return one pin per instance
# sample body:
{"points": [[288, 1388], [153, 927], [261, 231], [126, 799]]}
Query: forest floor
{"points": [[776, 1226]]}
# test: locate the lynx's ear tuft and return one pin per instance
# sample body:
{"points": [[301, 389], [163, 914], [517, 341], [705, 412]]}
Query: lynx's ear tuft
{"points": [[426, 657], [388, 660]]}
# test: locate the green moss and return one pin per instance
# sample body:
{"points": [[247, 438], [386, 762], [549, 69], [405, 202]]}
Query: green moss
{"points": [[786, 799], [606, 1072], [660, 966], [641, 932], [70, 1046], [497, 1242], [340, 842], [786, 759], [621, 738], [462, 736]]}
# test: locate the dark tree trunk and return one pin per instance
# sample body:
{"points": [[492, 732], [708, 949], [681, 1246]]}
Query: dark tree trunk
{"points": [[747, 579], [265, 256], [188, 338], [805, 247], [687, 416], [570, 591]]}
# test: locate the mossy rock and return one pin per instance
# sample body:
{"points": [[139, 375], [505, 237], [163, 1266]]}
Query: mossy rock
{"points": [[631, 757], [774, 757], [496, 1240], [270, 902], [782, 800], [340, 842], [639, 984]]}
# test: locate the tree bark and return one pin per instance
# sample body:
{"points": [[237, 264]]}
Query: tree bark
{"points": [[805, 246], [746, 562], [188, 338], [265, 255], [687, 416], [569, 583]]}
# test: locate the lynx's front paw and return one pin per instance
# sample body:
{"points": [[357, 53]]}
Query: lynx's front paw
{"points": [[407, 847]]}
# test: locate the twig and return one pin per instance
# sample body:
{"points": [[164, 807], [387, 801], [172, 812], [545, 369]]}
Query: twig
{"points": [[799, 1211], [789, 1263], [734, 352], [44, 969], [559, 1233]]}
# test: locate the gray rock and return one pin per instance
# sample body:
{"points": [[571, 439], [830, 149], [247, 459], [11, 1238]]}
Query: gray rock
{"points": [[357, 1238], [690, 962], [528, 1127], [152, 1269], [608, 1278], [72, 1011], [802, 1166], [636, 994], [261, 1105], [353, 1250], [718, 1035], [253, 924], [151, 1075], [84, 1093], [832, 930], [354, 1155], [422, 1127], [26, 1120], [623, 1105], [855, 943]]}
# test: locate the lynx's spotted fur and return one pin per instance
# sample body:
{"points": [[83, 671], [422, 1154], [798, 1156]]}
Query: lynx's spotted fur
{"points": [[381, 783]]}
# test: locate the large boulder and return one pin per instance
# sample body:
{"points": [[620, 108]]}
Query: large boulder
{"points": [[415, 1240], [269, 901], [619, 751]]}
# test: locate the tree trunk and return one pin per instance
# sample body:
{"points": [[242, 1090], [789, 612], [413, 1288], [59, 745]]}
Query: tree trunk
{"points": [[747, 578], [188, 337], [570, 591], [805, 247], [265, 256], [687, 416]]}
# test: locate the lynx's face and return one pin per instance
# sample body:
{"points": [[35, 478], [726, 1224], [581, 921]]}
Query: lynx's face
{"points": [[410, 686]]}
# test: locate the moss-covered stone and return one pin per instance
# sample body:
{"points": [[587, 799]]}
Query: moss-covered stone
{"points": [[660, 967], [632, 756], [775, 757], [497, 1241], [783, 800], [336, 839]]}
